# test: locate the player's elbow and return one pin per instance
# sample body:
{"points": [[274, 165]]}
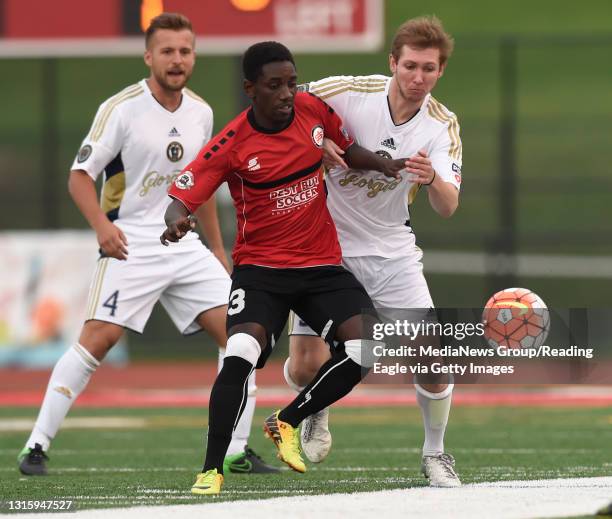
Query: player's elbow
{"points": [[73, 182], [448, 209]]}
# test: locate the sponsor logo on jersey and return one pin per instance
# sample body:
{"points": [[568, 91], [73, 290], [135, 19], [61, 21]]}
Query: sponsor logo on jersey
{"points": [[174, 133], [388, 143], [317, 134], [174, 151], [374, 185], [84, 153], [287, 199], [253, 164], [384, 154], [185, 180], [155, 179]]}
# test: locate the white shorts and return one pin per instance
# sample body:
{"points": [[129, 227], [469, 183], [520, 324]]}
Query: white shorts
{"points": [[390, 283], [186, 283]]}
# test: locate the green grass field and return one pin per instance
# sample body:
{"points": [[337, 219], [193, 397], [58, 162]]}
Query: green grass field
{"points": [[151, 458]]}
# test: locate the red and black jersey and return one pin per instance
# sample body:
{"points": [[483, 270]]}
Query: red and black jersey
{"points": [[276, 182]]}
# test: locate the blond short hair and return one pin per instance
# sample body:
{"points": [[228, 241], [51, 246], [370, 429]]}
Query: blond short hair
{"points": [[423, 33]]}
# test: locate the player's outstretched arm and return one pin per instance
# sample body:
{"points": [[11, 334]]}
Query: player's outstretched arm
{"points": [[359, 158], [209, 221], [332, 154], [178, 223], [111, 239]]}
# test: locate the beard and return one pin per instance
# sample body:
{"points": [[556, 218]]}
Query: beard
{"points": [[172, 83]]}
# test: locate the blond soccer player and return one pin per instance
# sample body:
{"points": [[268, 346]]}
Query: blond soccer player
{"points": [[394, 116]]}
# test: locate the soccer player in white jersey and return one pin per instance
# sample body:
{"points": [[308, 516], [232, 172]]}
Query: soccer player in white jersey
{"points": [[395, 117], [141, 138]]}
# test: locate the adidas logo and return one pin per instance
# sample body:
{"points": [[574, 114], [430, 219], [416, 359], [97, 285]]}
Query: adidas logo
{"points": [[389, 143], [174, 133], [253, 164]]}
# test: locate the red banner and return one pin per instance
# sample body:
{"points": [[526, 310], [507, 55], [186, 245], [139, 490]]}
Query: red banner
{"points": [[111, 27]]}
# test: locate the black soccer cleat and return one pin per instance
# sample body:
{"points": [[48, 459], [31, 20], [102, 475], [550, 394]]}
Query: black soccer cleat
{"points": [[248, 462], [33, 462]]}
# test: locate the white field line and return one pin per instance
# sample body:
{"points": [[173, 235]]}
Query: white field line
{"points": [[102, 422], [525, 265], [345, 450], [502, 500]]}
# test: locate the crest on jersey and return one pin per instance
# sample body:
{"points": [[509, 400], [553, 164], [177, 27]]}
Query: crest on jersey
{"points": [[384, 154], [84, 153], [317, 134], [185, 180], [457, 170], [174, 151]]}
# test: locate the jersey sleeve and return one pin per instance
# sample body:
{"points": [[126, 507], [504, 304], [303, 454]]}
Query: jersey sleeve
{"points": [[103, 142], [209, 125], [446, 153], [332, 124], [334, 90], [203, 175]]}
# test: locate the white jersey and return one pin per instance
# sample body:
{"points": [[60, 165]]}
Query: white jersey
{"points": [[371, 211], [141, 147]]}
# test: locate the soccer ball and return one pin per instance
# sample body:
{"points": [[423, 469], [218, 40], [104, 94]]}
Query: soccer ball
{"points": [[515, 318]]}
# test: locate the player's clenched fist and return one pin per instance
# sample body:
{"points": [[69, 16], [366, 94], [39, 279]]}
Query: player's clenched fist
{"points": [[178, 221]]}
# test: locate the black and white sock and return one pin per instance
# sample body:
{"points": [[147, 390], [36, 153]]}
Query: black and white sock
{"points": [[334, 380]]}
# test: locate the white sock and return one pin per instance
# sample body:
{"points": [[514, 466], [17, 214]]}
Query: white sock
{"points": [[435, 408], [290, 382], [240, 436], [68, 379]]}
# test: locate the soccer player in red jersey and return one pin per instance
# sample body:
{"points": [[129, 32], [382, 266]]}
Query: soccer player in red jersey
{"points": [[286, 254]]}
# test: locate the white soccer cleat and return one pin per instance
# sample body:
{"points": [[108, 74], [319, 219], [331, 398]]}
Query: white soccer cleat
{"points": [[440, 471], [315, 436]]}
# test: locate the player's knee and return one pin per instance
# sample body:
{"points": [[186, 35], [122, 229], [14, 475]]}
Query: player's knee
{"points": [[98, 337], [363, 352], [435, 391], [308, 354], [244, 346]]}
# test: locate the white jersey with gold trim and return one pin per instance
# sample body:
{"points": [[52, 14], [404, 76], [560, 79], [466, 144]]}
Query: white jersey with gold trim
{"points": [[141, 147], [371, 211]]}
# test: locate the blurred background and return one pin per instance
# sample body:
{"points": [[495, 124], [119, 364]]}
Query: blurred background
{"points": [[529, 81]]}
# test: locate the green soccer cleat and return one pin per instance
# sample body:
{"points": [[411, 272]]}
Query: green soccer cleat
{"points": [[208, 483], [287, 441], [247, 462], [33, 462]]}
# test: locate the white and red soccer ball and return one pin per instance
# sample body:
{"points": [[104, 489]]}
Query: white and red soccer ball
{"points": [[515, 318]]}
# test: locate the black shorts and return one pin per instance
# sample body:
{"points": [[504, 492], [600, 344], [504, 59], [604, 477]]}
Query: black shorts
{"points": [[324, 297]]}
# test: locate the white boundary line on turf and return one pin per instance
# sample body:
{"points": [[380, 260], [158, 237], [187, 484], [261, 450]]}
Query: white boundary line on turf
{"points": [[502, 500]]}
